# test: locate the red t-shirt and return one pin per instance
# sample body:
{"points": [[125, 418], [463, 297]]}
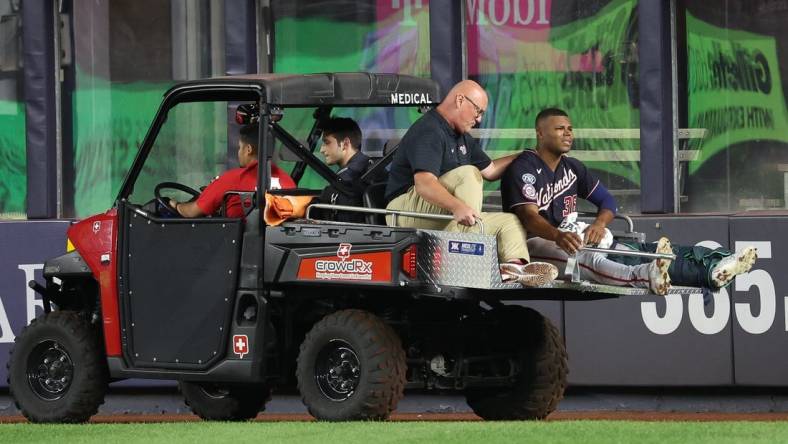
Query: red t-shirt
{"points": [[238, 179], [279, 178]]}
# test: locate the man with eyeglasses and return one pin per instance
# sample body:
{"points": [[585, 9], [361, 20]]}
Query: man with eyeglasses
{"points": [[439, 168]]}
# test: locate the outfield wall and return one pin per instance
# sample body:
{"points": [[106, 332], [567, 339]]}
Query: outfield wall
{"points": [[738, 339]]}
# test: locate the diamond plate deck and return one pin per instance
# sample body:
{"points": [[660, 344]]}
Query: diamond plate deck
{"points": [[591, 287], [458, 259]]}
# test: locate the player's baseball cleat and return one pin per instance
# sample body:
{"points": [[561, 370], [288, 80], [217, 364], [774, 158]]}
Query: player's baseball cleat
{"points": [[510, 271], [532, 274], [658, 278], [723, 273]]}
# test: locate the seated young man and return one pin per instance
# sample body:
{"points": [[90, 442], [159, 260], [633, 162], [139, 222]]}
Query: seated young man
{"points": [[243, 178], [342, 146], [541, 187]]}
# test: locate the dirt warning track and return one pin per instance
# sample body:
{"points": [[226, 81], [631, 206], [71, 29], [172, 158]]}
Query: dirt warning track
{"points": [[557, 416]]}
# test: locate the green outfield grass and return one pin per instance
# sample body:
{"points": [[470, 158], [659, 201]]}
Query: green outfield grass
{"points": [[403, 432]]}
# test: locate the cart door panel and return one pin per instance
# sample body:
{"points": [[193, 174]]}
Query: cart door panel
{"points": [[176, 286]]}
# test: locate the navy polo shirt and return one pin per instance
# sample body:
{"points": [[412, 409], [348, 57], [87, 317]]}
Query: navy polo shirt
{"points": [[431, 145]]}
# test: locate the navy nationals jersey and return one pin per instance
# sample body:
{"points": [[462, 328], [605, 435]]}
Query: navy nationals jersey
{"points": [[529, 181]]}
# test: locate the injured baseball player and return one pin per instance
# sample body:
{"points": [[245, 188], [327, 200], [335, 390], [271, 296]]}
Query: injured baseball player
{"points": [[541, 187]]}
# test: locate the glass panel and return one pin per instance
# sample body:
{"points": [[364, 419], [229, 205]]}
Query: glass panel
{"points": [[390, 36], [190, 149], [578, 56], [737, 57], [354, 35], [13, 157], [127, 54]]}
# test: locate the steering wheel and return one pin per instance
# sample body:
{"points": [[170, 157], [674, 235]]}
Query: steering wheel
{"points": [[164, 202]]}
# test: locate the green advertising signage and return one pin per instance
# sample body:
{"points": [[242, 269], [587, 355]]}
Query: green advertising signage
{"points": [[13, 160], [735, 90], [586, 66]]}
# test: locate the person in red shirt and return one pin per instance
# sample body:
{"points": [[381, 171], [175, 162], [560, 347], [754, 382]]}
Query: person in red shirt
{"points": [[237, 179]]}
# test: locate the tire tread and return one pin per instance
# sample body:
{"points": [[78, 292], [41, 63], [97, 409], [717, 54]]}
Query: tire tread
{"points": [[537, 393], [387, 366], [85, 394]]}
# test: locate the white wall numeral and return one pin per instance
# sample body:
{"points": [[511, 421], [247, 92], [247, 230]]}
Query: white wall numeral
{"points": [[722, 308], [665, 325], [761, 280], [709, 325]]}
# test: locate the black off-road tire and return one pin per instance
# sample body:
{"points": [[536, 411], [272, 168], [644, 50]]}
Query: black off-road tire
{"points": [[57, 371], [543, 368], [217, 402], [368, 366]]}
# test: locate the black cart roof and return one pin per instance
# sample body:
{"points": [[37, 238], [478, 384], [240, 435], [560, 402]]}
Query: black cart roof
{"points": [[339, 89]]}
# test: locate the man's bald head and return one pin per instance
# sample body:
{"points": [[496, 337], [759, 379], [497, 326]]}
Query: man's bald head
{"points": [[467, 88], [464, 106]]}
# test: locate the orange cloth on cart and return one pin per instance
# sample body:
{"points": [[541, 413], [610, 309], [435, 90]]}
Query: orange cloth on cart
{"points": [[280, 208]]}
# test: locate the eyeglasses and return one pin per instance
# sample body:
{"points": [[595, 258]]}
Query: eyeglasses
{"points": [[477, 108]]}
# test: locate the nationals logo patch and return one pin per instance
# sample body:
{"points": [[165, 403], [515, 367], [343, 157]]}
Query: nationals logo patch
{"points": [[529, 191]]}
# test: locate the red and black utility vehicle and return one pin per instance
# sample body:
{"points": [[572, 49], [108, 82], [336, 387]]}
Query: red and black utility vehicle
{"points": [[351, 314]]}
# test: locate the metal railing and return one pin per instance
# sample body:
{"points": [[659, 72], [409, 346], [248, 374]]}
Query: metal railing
{"points": [[586, 155], [395, 213]]}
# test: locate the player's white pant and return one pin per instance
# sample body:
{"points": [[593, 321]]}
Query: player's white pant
{"points": [[595, 267]]}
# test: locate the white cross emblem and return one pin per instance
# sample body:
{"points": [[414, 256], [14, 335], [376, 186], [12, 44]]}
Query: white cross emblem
{"points": [[240, 345], [343, 252]]}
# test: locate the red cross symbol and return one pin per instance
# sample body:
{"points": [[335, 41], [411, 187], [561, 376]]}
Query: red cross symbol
{"points": [[343, 252], [240, 345]]}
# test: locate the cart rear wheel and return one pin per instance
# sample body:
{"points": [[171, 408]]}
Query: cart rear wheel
{"points": [[351, 366], [543, 366]]}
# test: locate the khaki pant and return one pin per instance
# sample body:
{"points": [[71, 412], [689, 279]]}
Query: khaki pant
{"points": [[464, 183]]}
